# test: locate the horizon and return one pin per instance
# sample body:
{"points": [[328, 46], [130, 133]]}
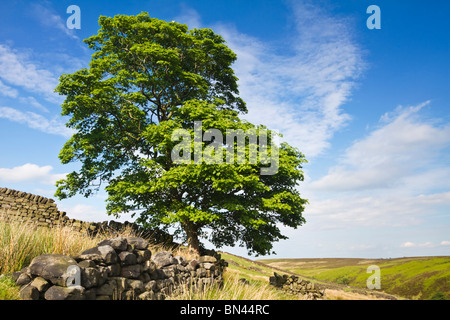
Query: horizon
{"points": [[369, 108]]}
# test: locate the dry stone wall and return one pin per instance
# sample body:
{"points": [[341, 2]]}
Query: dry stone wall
{"points": [[295, 285], [26, 207], [117, 269]]}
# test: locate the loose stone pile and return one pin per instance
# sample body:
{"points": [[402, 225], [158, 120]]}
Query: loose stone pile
{"points": [[118, 268], [295, 285]]}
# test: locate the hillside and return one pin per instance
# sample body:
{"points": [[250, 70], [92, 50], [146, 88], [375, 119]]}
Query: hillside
{"points": [[257, 271], [413, 277]]}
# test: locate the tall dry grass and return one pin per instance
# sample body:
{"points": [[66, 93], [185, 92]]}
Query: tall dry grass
{"points": [[233, 289], [21, 242]]}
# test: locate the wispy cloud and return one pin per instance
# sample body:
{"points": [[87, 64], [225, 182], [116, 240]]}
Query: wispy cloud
{"points": [[30, 172], [17, 70], [395, 176], [8, 91], [31, 101], [36, 121], [189, 16], [49, 18], [300, 91], [427, 244], [402, 151]]}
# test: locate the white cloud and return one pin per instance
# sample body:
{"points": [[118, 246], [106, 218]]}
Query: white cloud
{"points": [[189, 16], [36, 121], [8, 91], [30, 172], [403, 151], [299, 91], [409, 244], [16, 69], [47, 17], [31, 101], [445, 243]]}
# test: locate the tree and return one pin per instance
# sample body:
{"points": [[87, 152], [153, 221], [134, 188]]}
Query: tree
{"points": [[147, 79]]}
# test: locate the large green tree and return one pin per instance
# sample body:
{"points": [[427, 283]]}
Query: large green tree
{"points": [[147, 79]]}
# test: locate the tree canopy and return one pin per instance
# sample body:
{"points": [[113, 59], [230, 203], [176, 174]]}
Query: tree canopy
{"points": [[147, 80]]}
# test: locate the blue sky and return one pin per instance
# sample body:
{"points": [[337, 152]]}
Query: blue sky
{"points": [[368, 108]]}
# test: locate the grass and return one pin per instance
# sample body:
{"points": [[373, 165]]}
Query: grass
{"points": [[21, 242], [8, 290]]}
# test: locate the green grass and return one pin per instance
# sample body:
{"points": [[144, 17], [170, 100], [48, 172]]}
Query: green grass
{"points": [[413, 278], [8, 289]]}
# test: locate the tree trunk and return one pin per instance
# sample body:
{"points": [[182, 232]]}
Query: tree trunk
{"points": [[192, 237]]}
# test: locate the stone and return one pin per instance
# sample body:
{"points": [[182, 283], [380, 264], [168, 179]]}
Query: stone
{"points": [[113, 270], [136, 285], [149, 266], [207, 259], [139, 243], [127, 258], [90, 294], [201, 272], [15, 275], [108, 288], [151, 285], [181, 260], [143, 255], [192, 265], [119, 243], [29, 292], [90, 277], [128, 295], [23, 279], [208, 266], [181, 268], [164, 258], [65, 293], [40, 283], [52, 267], [132, 271], [147, 295], [121, 284], [144, 277], [86, 264], [106, 252]]}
